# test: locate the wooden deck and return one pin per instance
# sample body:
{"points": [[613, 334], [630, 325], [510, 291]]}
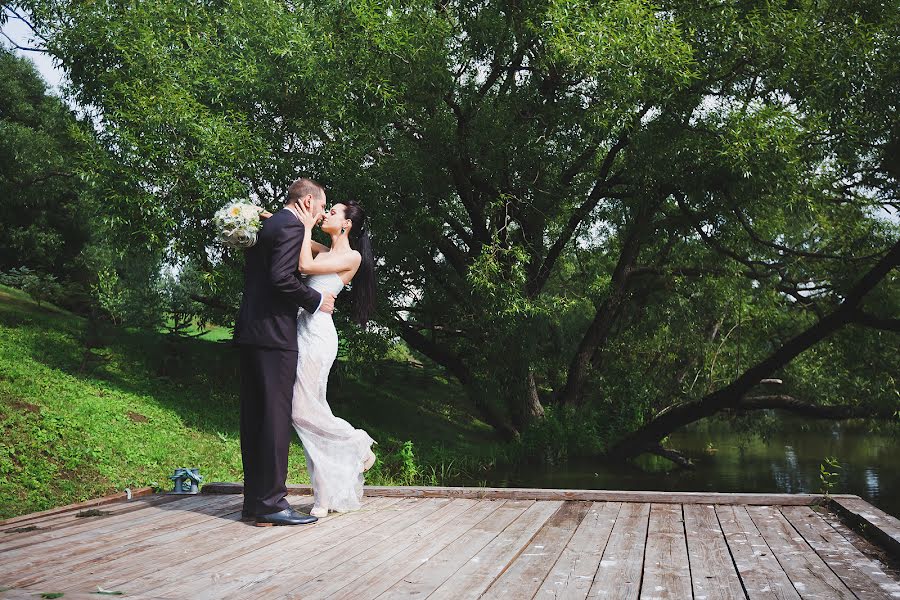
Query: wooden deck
{"points": [[454, 543]]}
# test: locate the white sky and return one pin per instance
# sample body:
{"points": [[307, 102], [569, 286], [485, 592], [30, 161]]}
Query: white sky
{"points": [[22, 35]]}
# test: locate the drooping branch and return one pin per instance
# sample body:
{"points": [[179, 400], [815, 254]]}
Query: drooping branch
{"points": [[814, 411], [745, 223], [730, 396], [753, 265], [20, 47], [674, 455]]}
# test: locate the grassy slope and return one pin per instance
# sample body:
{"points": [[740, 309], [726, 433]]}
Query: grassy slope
{"points": [[140, 404]]}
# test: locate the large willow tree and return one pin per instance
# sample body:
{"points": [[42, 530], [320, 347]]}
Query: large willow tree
{"points": [[645, 209]]}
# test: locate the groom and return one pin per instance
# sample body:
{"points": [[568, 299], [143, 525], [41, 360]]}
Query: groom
{"points": [[266, 333]]}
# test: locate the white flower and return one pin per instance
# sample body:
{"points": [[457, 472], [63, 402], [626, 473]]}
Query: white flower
{"points": [[236, 224]]}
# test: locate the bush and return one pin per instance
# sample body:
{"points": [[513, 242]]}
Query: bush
{"points": [[42, 287]]}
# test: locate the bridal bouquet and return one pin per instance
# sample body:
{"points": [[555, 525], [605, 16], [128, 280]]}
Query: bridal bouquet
{"points": [[237, 223]]}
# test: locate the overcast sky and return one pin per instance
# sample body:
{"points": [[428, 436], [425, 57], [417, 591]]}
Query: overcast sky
{"points": [[21, 34]]}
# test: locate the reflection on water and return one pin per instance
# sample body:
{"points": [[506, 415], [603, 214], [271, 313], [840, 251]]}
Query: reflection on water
{"points": [[787, 460]]}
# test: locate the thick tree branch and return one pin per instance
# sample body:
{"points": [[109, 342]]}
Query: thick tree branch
{"points": [[860, 317], [674, 455], [600, 189], [731, 395], [609, 311], [213, 302], [455, 257]]}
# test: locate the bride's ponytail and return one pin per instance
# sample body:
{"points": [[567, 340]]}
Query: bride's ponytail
{"points": [[362, 290]]}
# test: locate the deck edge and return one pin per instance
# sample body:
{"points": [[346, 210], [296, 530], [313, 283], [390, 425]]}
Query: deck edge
{"points": [[557, 494], [870, 521]]}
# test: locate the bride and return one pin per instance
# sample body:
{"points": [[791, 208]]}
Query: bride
{"points": [[337, 454]]}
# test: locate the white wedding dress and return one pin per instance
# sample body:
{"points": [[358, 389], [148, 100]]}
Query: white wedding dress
{"points": [[335, 450]]}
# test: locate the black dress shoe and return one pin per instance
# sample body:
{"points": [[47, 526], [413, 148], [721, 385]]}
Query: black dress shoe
{"points": [[288, 516]]}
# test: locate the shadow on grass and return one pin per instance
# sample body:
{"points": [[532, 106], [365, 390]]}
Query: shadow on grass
{"points": [[199, 380]]}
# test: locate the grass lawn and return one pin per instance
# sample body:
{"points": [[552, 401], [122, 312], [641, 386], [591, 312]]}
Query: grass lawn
{"points": [[126, 412]]}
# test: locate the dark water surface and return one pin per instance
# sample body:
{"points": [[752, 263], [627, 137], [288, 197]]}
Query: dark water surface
{"points": [[785, 460]]}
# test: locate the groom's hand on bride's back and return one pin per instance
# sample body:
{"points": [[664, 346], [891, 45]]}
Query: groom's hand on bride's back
{"points": [[327, 305]]}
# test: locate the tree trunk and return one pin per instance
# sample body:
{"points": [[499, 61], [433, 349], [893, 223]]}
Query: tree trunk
{"points": [[532, 409], [608, 312]]}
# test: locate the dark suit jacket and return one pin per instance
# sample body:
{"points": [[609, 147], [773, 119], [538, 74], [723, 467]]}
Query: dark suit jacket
{"points": [[273, 290]]}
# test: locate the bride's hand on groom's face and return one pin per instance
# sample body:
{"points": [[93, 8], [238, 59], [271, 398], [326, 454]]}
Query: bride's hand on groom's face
{"points": [[310, 216]]}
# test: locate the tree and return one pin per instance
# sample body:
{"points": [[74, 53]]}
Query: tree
{"points": [[44, 214], [576, 203]]}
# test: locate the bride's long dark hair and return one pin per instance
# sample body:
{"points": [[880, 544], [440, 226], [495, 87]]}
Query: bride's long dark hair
{"points": [[362, 290]]}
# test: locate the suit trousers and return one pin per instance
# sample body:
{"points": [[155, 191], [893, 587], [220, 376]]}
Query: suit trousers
{"points": [[267, 385]]}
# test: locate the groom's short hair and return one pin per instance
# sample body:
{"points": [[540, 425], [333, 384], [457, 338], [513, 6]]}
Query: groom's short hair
{"points": [[301, 187]]}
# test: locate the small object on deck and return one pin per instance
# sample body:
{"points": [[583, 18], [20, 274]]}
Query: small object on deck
{"points": [[187, 481]]}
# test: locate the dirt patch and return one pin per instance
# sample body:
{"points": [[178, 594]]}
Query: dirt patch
{"points": [[93, 512], [137, 417], [24, 529], [22, 405]]}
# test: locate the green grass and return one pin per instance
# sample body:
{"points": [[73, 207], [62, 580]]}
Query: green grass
{"points": [[126, 412]]}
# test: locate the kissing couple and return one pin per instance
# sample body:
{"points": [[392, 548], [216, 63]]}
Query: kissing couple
{"points": [[288, 342]]}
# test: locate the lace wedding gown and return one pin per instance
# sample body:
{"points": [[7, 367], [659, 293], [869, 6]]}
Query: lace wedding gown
{"points": [[335, 450]]}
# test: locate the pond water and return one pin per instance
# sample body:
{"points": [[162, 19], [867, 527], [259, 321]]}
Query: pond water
{"points": [[786, 459]]}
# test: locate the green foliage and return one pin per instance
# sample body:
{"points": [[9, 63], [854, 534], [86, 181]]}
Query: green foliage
{"points": [[42, 287], [829, 474], [46, 211], [657, 195]]}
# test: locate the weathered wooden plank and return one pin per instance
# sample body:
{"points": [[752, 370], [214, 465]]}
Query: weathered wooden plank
{"points": [[371, 584], [761, 574], [807, 571], [622, 563], [78, 551], [426, 577], [477, 574], [526, 573], [283, 577], [859, 573], [560, 495], [667, 574], [35, 594], [877, 524], [55, 544], [713, 574], [272, 568], [151, 551], [874, 552], [573, 574], [15, 534], [77, 506], [231, 547], [378, 559]]}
